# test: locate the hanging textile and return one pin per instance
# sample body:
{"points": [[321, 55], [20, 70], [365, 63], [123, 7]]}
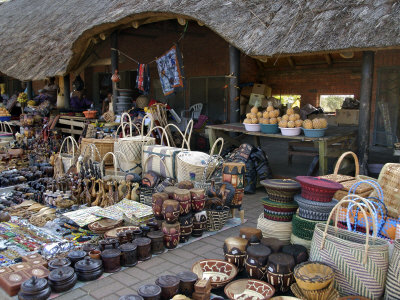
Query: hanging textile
{"points": [[170, 70], [143, 78]]}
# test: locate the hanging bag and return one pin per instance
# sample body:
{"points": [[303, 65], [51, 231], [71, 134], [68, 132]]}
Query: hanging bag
{"points": [[360, 262], [68, 158]]}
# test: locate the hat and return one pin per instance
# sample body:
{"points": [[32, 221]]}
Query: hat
{"points": [[318, 189]]}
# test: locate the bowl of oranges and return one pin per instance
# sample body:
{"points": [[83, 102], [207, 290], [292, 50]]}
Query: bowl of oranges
{"points": [[4, 114]]}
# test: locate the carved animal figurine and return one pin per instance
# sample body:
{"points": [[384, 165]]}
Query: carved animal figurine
{"points": [[93, 190], [121, 189], [128, 191], [99, 192], [87, 195], [134, 195]]}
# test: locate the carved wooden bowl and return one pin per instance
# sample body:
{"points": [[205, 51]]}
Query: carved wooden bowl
{"points": [[249, 289], [219, 272]]}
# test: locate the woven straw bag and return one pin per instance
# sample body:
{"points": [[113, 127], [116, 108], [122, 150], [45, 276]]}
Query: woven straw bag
{"points": [[85, 156], [191, 164], [68, 158], [6, 133], [279, 230], [216, 219], [132, 146], [117, 174], [360, 262], [393, 276]]}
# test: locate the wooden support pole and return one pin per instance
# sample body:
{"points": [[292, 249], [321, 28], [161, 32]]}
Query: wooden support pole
{"points": [[234, 70], [67, 90], [114, 65], [29, 89], [367, 72]]}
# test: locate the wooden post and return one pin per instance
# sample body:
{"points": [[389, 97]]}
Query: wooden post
{"points": [[234, 70], [365, 109], [67, 90], [29, 89], [114, 65]]}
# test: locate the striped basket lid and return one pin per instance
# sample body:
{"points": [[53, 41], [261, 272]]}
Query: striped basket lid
{"points": [[281, 184], [318, 189], [271, 203], [317, 206]]}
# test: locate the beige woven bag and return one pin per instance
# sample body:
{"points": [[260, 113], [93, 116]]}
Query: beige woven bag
{"points": [[132, 146], [68, 158]]}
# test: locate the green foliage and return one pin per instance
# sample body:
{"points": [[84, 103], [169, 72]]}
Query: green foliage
{"points": [[330, 103]]}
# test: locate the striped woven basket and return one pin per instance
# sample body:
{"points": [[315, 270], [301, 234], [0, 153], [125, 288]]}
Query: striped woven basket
{"points": [[313, 210], [393, 276], [278, 216], [216, 219], [271, 205], [303, 228], [279, 230]]}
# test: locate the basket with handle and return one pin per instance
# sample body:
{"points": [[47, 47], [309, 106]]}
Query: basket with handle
{"points": [[191, 164], [117, 173], [6, 133], [360, 262], [131, 145], [392, 290], [68, 158], [342, 178], [91, 156]]}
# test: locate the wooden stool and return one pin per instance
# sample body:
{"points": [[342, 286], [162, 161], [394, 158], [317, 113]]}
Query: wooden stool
{"points": [[241, 213]]}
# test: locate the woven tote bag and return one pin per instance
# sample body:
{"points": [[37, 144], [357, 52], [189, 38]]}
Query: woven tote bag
{"points": [[68, 158], [360, 262], [6, 132], [393, 276], [132, 146]]}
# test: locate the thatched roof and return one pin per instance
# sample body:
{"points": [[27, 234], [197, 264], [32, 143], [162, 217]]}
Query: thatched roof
{"points": [[40, 38]]}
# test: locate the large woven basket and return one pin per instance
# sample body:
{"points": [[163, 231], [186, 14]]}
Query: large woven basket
{"points": [[343, 178], [389, 179], [103, 145], [279, 230], [216, 219], [393, 276], [303, 228], [70, 156]]}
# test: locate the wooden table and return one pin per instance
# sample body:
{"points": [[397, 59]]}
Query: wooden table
{"points": [[76, 124], [336, 140]]}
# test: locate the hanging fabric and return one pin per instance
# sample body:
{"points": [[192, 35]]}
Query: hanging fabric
{"points": [[143, 78], [170, 70]]}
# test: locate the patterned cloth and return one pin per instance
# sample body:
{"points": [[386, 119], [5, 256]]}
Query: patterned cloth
{"points": [[170, 71], [143, 78]]}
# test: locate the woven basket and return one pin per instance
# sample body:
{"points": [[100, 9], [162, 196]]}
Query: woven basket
{"points": [[279, 230], [343, 178], [318, 189], [288, 207], [278, 216], [146, 195], [393, 276], [299, 241], [216, 219], [190, 165], [109, 116], [389, 179], [103, 145], [6, 133], [281, 190], [312, 210], [69, 158], [303, 228]]}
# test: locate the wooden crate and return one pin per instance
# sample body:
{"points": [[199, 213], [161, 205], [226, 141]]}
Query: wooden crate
{"points": [[347, 116]]}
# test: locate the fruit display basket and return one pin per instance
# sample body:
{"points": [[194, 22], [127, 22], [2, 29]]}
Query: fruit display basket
{"points": [[252, 127], [290, 131], [314, 133], [269, 128]]}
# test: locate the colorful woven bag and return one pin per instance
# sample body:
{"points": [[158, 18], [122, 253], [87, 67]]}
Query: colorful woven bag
{"points": [[393, 276], [360, 262]]}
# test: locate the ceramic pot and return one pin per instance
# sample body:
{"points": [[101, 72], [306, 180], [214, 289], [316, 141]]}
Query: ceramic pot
{"points": [[75, 256], [235, 251], [114, 243], [89, 269], [185, 185], [186, 223], [171, 234], [298, 252], [169, 285], [198, 197], [104, 244], [143, 248], [58, 263], [150, 292], [111, 260], [199, 223], [153, 225], [128, 254], [280, 271], [187, 281], [122, 238], [256, 261], [34, 289], [183, 197], [95, 254], [234, 173], [157, 241], [171, 211], [157, 203], [62, 279], [145, 230]]}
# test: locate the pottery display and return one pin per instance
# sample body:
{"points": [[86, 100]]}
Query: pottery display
{"points": [[170, 190], [89, 269], [170, 211], [122, 238], [111, 260], [169, 286], [198, 197], [150, 292], [89, 247], [184, 199], [186, 223], [62, 279], [34, 289], [58, 263], [104, 244], [219, 272], [157, 202], [95, 254], [235, 251], [280, 271], [157, 241], [256, 261], [143, 248], [128, 254], [171, 234], [274, 244], [187, 281], [75, 256], [234, 173], [299, 253], [249, 289], [199, 223]]}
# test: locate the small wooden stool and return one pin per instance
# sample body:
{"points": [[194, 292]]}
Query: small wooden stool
{"points": [[241, 213]]}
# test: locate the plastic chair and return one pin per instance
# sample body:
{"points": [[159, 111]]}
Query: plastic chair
{"points": [[194, 111]]}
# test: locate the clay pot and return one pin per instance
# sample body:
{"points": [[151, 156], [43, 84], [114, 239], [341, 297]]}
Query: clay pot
{"points": [[153, 225], [105, 244], [183, 197], [157, 203], [171, 234], [75, 256], [157, 241], [150, 292], [169, 286], [198, 197], [122, 238], [95, 254], [170, 190], [145, 230], [128, 255], [186, 223], [171, 211], [199, 223], [34, 289], [111, 260], [235, 251], [89, 269], [187, 280], [89, 247], [62, 279], [143, 248], [58, 263], [115, 77], [280, 271], [256, 261]]}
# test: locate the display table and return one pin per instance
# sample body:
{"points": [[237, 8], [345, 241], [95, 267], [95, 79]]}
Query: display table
{"points": [[336, 140], [76, 124]]}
